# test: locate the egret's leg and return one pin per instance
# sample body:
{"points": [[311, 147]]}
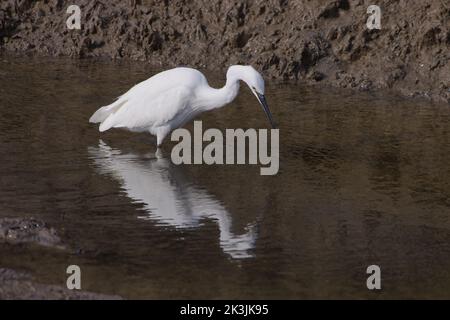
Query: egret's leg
{"points": [[161, 133], [158, 153], [159, 139]]}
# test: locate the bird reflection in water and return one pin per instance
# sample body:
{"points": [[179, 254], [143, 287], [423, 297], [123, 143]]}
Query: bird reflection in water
{"points": [[169, 198]]}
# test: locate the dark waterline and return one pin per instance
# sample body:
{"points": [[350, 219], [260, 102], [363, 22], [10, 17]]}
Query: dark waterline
{"points": [[364, 179]]}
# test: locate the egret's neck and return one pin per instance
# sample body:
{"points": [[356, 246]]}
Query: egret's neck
{"points": [[217, 98]]}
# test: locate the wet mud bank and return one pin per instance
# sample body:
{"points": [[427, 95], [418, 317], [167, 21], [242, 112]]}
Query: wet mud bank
{"points": [[17, 284], [315, 42], [21, 285]]}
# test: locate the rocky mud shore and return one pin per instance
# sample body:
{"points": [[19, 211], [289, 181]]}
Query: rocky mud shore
{"points": [[315, 41], [28, 230], [20, 285], [15, 284]]}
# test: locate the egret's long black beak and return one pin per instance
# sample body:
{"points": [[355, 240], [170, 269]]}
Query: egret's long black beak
{"points": [[262, 101]]}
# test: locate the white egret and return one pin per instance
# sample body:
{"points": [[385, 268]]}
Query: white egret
{"points": [[170, 99]]}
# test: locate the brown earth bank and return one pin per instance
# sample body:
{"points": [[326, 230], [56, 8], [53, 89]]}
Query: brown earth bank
{"points": [[16, 284], [315, 41]]}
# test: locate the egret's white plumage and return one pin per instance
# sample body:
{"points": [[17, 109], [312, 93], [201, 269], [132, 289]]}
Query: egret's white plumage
{"points": [[171, 98]]}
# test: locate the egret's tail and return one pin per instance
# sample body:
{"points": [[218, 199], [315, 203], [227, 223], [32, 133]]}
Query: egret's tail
{"points": [[103, 113]]}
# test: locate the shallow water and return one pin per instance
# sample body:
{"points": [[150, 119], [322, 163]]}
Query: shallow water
{"points": [[364, 179]]}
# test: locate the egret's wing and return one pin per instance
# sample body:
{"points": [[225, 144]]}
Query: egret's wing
{"points": [[104, 112], [145, 106]]}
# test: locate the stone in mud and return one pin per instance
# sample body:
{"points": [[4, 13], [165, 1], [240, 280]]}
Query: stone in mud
{"points": [[28, 230], [316, 76]]}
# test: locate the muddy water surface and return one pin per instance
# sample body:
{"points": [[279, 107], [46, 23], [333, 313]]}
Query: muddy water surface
{"points": [[364, 179]]}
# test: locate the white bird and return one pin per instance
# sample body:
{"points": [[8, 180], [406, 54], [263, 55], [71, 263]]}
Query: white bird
{"points": [[170, 99]]}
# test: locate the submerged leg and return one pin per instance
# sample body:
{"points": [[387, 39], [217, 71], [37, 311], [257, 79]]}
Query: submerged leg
{"points": [[161, 133], [158, 153], [159, 139]]}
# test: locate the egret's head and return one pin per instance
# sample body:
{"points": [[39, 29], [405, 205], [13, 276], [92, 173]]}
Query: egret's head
{"points": [[255, 82]]}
